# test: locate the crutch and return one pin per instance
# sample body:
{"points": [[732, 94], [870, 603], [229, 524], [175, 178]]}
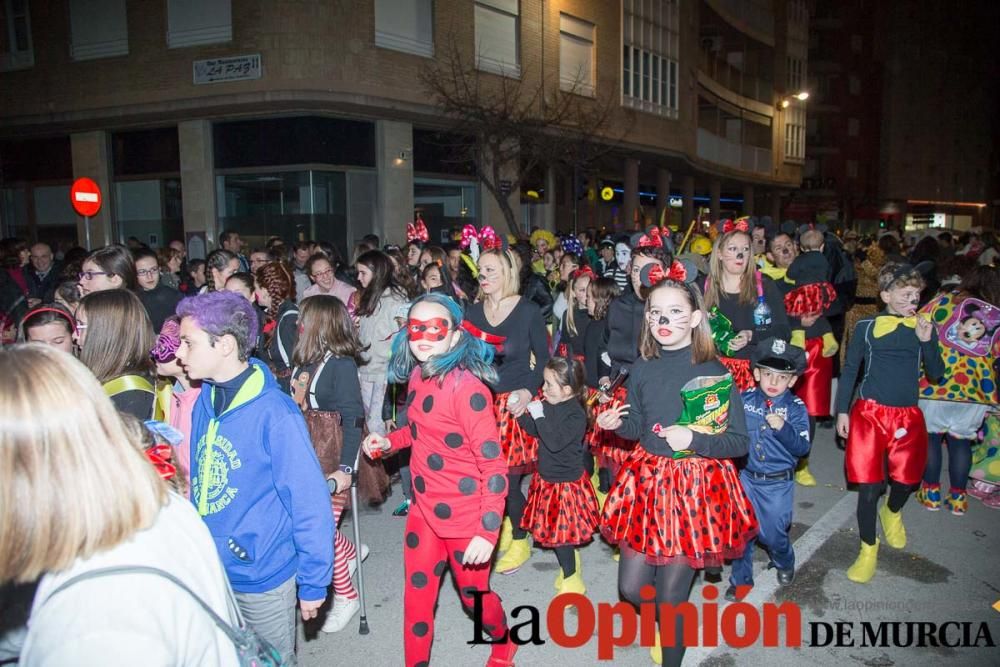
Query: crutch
{"points": [[363, 626]]}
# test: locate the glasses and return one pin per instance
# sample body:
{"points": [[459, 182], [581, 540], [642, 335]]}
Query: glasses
{"points": [[323, 274], [89, 275], [146, 272]]}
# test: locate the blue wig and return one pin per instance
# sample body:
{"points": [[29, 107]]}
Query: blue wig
{"points": [[470, 354]]}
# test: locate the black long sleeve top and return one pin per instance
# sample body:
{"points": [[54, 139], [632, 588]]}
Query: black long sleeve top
{"points": [[574, 342], [336, 389], [283, 338], [893, 364], [560, 434], [741, 315], [593, 353], [622, 327], [654, 393], [525, 350], [536, 290]]}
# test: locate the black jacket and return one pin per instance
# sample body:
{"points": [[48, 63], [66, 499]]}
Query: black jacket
{"points": [[536, 290], [43, 289]]}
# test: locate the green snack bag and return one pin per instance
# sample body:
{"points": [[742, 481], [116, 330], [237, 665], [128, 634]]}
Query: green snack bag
{"points": [[722, 330], [705, 408]]}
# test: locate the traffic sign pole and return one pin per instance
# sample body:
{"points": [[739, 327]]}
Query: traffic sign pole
{"points": [[85, 197], [86, 225]]}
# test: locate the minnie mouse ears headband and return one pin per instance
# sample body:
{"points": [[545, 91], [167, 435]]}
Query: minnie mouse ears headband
{"points": [[416, 231], [681, 271], [653, 237], [476, 240]]}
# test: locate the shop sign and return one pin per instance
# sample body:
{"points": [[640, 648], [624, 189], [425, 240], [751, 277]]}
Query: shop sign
{"points": [[236, 68]]}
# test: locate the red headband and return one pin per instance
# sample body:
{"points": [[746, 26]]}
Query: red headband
{"points": [[651, 239], [584, 271], [656, 274], [50, 309], [740, 225]]}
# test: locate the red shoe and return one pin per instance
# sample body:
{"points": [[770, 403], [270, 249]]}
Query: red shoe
{"points": [[502, 655]]}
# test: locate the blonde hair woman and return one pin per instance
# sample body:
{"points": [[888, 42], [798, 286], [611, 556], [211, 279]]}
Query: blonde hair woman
{"points": [[514, 326], [70, 509], [738, 290]]}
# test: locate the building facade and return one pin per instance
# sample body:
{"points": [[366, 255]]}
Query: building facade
{"points": [[308, 118]]}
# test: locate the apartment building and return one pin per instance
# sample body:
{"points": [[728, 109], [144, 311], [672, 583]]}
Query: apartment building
{"points": [[308, 118]]}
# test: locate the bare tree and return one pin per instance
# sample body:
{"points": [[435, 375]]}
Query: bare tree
{"points": [[510, 126]]}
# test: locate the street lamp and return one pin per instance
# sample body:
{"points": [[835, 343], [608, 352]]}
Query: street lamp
{"points": [[784, 102]]}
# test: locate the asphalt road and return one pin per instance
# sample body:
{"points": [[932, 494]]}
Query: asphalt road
{"points": [[948, 572]]}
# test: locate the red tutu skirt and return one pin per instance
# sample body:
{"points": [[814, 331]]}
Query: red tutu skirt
{"points": [[608, 447], [815, 387], [809, 299], [561, 513], [690, 510], [519, 448], [740, 369]]}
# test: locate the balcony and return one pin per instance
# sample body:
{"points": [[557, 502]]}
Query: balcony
{"points": [[734, 79], [751, 17], [730, 154]]}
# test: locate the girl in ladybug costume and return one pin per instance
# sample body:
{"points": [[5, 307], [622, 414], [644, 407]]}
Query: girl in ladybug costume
{"points": [[459, 475], [677, 505]]}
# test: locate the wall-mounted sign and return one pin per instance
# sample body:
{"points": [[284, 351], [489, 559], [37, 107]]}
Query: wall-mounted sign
{"points": [[236, 68], [607, 194], [675, 202]]}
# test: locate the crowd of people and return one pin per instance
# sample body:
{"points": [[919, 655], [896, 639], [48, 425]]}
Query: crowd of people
{"points": [[656, 390]]}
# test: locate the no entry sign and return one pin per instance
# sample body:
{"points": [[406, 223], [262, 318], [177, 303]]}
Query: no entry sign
{"points": [[85, 197]]}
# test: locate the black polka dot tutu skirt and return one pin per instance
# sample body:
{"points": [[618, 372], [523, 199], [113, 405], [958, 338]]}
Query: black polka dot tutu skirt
{"points": [[561, 513], [740, 370], [608, 447], [690, 510], [519, 448]]}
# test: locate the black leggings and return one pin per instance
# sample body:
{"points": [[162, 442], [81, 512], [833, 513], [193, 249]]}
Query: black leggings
{"points": [[959, 460], [567, 559], [515, 504], [673, 586], [868, 495]]}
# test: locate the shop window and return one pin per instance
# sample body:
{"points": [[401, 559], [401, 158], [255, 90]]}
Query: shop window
{"points": [[445, 205], [279, 142]]}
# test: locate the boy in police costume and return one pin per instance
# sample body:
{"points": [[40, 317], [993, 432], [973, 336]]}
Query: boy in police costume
{"points": [[778, 424]]}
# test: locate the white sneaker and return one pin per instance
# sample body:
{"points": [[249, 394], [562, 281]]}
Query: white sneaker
{"points": [[341, 613], [352, 565]]}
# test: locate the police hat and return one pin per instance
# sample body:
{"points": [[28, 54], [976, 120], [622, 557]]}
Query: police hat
{"points": [[779, 355]]}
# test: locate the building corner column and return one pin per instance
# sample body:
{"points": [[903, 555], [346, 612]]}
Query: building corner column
{"points": [[198, 188]]}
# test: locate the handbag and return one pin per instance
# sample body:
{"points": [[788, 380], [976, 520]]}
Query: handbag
{"points": [[252, 650]]}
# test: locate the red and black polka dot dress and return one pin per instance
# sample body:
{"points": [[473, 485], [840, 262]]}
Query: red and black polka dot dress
{"points": [[562, 508], [459, 475], [610, 449]]}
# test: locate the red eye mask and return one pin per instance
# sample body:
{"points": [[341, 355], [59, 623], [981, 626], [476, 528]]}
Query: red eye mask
{"points": [[434, 329]]}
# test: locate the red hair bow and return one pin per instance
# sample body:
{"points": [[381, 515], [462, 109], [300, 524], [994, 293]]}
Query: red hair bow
{"points": [[159, 456], [739, 225], [417, 231], [585, 271], [654, 274], [486, 238], [653, 238]]}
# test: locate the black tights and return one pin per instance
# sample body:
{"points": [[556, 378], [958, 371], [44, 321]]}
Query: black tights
{"points": [[959, 460], [515, 505], [603, 474], [673, 586], [868, 495], [812, 429], [567, 559]]}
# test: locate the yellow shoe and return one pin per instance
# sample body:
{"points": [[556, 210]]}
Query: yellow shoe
{"points": [[573, 583], [559, 579], [516, 556], [864, 567], [506, 535], [656, 651], [892, 526], [830, 345], [802, 475]]}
